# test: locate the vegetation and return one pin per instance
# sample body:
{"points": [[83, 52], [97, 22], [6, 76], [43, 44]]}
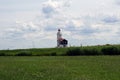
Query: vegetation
{"points": [[70, 51], [60, 68], [54, 63]]}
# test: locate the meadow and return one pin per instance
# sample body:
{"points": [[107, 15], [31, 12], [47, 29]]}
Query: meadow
{"points": [[60, 68]]}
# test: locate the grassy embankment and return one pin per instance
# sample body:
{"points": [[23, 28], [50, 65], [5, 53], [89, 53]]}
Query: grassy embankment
{"points": [[70, 51]]}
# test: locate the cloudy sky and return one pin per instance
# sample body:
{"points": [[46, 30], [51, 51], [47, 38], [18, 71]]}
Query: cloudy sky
{"points": [[34, 23]]}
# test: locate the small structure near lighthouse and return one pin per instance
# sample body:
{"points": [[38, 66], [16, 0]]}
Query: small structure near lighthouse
{"points": [[61, 42]]}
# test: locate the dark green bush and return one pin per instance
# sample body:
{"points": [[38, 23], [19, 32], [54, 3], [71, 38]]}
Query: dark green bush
{"points": [[92, 51], [47, 54], [74, 52], [24, 53], [53, 54], [111, 50], [2, 54], [84, 51]]}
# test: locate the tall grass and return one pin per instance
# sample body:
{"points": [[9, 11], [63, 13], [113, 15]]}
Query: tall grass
{"points": [[60, 68]]}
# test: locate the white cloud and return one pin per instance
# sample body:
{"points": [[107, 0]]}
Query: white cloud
{"points": [[49, 8], [111, 19], [117, 2], [53, 7]]}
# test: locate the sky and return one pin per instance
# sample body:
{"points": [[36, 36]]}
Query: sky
{"points": [[34, 23]]}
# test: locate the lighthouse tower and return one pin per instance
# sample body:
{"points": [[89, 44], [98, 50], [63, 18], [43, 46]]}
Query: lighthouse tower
{"points": [[59, 37], [61, 42]]}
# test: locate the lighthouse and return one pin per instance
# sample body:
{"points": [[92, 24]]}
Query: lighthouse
{"points": [[61, 42]]}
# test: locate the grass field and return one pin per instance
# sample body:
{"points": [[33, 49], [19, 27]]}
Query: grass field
{"points": [[60, 68]]}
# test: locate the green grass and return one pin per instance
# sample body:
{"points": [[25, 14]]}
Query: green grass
{"points": [[60, 68]]}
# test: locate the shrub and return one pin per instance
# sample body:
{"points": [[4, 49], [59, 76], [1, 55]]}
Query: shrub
{"points": [[74, 52], [110, 50], [24, 53], [118, 53], [2, 54], [53, 54], [83, 51], [92, 51]]}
